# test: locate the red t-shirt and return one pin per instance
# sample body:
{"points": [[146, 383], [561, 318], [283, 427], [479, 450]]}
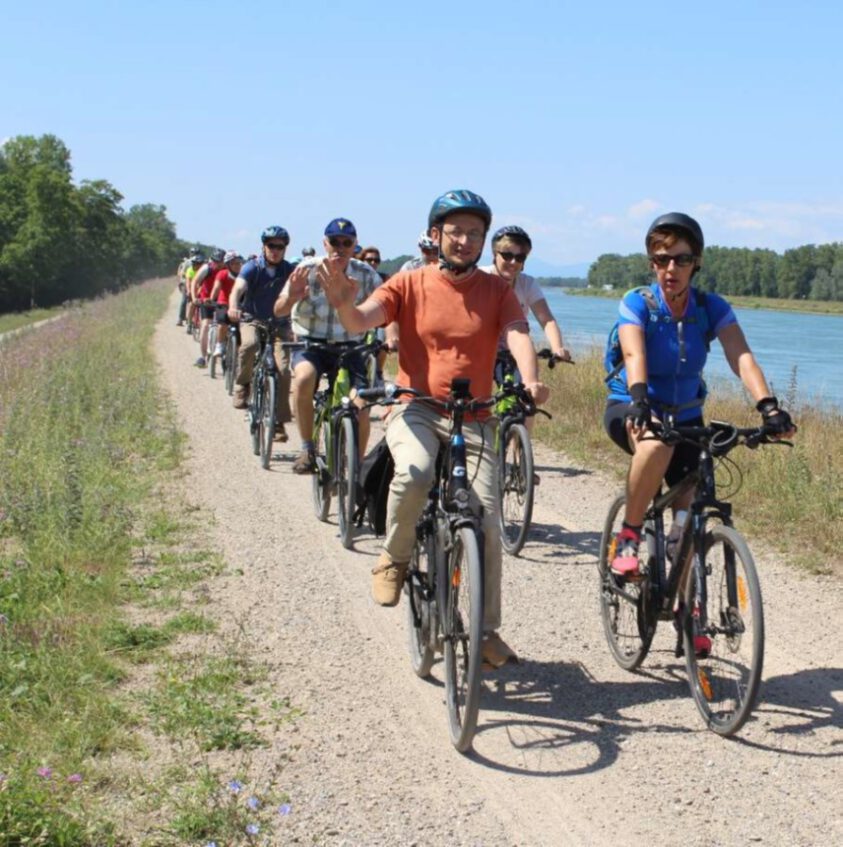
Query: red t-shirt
{"points": [[448, 329], [208, 281], [226, 281]]}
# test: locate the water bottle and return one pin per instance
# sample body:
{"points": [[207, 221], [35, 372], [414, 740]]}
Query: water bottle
{"points": [[675, 532]]}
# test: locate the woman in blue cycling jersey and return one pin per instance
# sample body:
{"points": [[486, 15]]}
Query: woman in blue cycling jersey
{"points": [[664, 332]]}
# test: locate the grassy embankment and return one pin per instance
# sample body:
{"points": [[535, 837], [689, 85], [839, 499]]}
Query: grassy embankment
{"points": [[16, 320], [793, 497], [823, 307], [109, 721]]}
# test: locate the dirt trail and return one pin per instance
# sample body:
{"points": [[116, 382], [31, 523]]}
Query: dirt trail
{"points": [[570, 749]]}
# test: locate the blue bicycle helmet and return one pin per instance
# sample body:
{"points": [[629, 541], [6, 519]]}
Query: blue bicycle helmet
{"points": [[514, 232], [459, 200], [275, 232], [681, 222]]}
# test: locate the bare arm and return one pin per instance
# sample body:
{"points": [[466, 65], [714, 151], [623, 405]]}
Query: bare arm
{"points": [[551, 329], [631, 338], [235, 297], [743, 362]]}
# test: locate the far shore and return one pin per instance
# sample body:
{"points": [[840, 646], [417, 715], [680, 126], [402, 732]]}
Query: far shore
{"points": [[816, 307]]}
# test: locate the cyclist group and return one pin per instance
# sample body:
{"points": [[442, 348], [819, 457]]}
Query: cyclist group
{"points": [[448, 319]]}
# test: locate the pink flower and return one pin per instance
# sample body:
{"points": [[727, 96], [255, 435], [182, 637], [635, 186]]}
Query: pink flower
{"points": [[75, 778], [45, 773]]}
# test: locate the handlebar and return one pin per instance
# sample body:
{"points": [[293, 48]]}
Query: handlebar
{"points": [[552, 358], [719, 436], [388, 395]]}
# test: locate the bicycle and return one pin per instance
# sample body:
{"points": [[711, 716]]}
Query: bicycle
{"points": [[515, 453], [445, 578], [711, 589], [335, 436], [264, 391]]}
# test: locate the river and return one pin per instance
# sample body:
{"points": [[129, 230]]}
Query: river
{"points": [[790, 346]]}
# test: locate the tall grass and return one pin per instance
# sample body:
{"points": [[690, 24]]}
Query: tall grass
{"points": [[83, 428], [793, 497]]}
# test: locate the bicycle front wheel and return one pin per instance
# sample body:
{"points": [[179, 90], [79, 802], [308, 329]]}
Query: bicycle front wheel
{"points": [[212, 346], [622, 603], [516, 487], [347, 479], [420, 606], [267, 419], [463, 630], [322, 477], [254, 414], [230, 365], [724, 631]]}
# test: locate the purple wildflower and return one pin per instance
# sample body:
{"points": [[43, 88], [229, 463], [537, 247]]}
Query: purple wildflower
{"points": [[44, 773], [252, 829], [253, 803], [235, 786], [3, 620], [285, 809], [75, 778]]}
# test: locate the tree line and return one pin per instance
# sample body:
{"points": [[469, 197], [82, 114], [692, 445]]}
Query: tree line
{"points": [[61, 241], [809, 272]]}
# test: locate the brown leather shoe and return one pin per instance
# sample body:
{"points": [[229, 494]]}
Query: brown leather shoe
{"points": [[241, 397], [496, 652], [387, 579]]}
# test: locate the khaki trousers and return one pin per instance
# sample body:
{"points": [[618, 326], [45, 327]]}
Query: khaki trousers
{"points": [[246, 364], [414, 433]]}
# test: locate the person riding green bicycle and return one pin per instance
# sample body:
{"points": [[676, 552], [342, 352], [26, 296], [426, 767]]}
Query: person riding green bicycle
{"points": [[449, 316], [317, 325], [663, 334]]}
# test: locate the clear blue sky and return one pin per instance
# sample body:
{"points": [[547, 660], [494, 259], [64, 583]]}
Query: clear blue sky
{"points": [[579, 121]]}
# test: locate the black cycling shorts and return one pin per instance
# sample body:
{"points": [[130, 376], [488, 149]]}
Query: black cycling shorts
{"points": [[207, 312], [686, 457]]}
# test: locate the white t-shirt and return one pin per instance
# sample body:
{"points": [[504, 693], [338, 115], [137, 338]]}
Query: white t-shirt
{"points": [[527, 290]]}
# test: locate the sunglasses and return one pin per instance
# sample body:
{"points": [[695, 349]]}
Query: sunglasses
{"points": [[281, 246], [375, 259], [663, 260], [513, 257], [429, 250], [335, 241]]}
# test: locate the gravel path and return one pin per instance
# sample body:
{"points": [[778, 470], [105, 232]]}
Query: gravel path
{"points": [[570, 749]]}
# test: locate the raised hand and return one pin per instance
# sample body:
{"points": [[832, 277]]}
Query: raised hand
{"points": [[338, 288]]}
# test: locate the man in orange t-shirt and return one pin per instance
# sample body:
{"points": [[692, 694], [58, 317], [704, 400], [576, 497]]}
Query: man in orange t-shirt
{"points": [[449, 318]]}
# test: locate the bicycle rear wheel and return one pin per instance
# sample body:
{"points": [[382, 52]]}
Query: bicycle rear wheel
{"points": [[622, 603], [421, 602], [267, 419], [463, 625], [724, 607], [347, 478], [322, 477], [516, 487]]}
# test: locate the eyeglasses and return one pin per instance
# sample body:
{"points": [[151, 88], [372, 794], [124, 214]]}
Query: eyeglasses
{"points": [[513, 257], [275, 246], [429, 251], [336, 241], [456, 234], [372, 260], [663, 260]]}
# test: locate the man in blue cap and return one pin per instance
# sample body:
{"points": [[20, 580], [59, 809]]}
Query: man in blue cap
{"points": [[315, 322]]}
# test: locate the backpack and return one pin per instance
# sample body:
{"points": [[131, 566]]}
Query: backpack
{"points": [[376, 472], [613, 357]]}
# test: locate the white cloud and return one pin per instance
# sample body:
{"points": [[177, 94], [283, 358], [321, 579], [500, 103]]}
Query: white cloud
{"points": [[643, 209]]}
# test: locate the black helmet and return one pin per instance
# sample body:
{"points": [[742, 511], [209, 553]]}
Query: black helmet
{"points": [[684, 223], [459, 200], [514, 232], [308, 251]]}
